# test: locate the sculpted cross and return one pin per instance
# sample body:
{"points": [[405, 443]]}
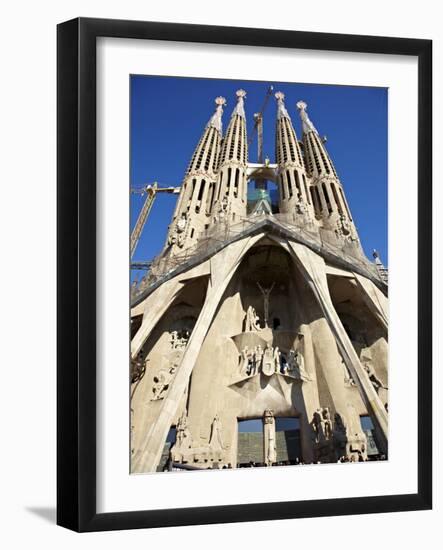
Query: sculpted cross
{"points": [[266, 292]]}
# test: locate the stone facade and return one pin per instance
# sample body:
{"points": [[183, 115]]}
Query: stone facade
{"points": [[272, 318]]}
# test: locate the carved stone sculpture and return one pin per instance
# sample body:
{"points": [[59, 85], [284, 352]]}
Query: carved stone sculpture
{"points": [[344, 229], [251, 320], [370, 371], [277, 360], [266, 293], [348, 380], [247, 361], [322, 425], [179, 338], [269, 437], [161, 382], [296, 365], [268, 366], [178, 235]]}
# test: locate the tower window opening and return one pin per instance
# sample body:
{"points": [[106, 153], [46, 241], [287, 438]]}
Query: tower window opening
{"points": [[316, 200], [237, 173], [297, 182], [228, 185], [220, 185], [282, 188], [192, 232], [239, 142], [336, 199], [209, 153], [290, 184], [210, 197], [200, 195], [306, 189], [326, 195]]}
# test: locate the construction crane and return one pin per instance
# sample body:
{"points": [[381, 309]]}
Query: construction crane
{"points": [[258, 126], [151, 191]]}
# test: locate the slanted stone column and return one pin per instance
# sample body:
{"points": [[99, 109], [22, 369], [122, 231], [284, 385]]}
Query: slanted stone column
{"points": [[313, 268], [223, 266]]}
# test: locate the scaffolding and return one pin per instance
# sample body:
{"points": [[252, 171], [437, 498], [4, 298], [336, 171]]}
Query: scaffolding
{"points": [[216, 237]]}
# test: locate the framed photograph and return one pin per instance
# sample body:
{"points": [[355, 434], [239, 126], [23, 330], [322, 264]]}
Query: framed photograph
{"points": [[244, 274]]}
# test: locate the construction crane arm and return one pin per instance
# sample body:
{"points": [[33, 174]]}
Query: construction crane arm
{"points": [[151, 191]]}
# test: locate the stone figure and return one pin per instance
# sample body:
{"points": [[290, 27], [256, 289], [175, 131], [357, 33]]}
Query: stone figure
{"points": [[376, 382], [269, 436], [339, 424], [178, 234], [349, 381], [216, 440], [161, 382], [251, 321], [268, 366], [138, 369], [296, 365], [258, 358], [277, 359], [327, 422], [300, 207], [247, 361], [266, 292], [322, 425], [344, 229], [222, 210], [316, 426], [183, 438]]}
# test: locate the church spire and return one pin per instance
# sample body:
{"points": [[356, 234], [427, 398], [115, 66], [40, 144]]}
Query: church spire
{"points": [[293, 187], [306, 122], [216, 120], [240, 107], [229, 198], [327, 191], [192, 210]]}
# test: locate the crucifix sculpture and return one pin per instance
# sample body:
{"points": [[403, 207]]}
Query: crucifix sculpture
{"points": [[266, 292]]}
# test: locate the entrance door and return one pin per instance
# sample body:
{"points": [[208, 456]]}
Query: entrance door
{"points": [[287, 438], [250, 442]]}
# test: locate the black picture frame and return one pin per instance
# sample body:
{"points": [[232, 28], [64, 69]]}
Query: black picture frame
{"points": [[76, 265]]}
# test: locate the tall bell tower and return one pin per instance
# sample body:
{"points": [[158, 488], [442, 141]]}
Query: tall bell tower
{"points": [[194, 203]]}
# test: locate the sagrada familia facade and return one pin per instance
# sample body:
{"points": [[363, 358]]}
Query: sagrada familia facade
{"points": [[260, 335]]}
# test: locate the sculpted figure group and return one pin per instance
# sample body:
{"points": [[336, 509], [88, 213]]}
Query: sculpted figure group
{"points": [[270, 360]]}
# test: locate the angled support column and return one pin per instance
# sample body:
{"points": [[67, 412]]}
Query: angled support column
{"points": [[223, 266], [157, 303], [374, 299], [313, 267]]}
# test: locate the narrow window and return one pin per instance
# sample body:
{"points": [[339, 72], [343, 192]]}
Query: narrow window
{"points": [[306, 189], [290, 184], [297, 182], [237, 173], [337, 201], [325, 193]]}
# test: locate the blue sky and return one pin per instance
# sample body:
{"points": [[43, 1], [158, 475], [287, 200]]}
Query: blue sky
{"points": [[168, 116]]}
